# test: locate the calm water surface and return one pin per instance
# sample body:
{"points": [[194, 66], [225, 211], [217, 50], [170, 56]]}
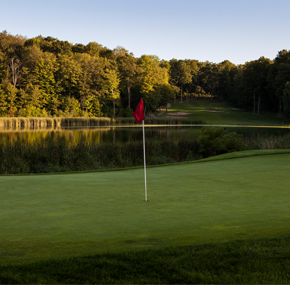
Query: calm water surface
{"points": [[113, 134]]}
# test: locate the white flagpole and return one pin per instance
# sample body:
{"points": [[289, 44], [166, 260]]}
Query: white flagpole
{"points": [[144, 162]]}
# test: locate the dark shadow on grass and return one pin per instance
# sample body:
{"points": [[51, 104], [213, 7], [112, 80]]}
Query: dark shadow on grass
{"points": [[240, 261]]}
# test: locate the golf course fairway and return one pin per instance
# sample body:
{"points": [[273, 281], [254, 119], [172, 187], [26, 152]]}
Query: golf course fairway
{"points": [[62, 215]]}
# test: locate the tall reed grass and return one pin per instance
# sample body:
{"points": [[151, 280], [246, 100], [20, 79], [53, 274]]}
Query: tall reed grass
{"points": [[58, 156], [262, 140], [55, 154], [40, 122], [90, 121]]}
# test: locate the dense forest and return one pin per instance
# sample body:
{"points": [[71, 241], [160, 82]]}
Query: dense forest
{"points": [[44, 76]]}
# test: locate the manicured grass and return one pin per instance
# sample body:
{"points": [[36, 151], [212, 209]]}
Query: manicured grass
{"points": [[227, 115], [57, 216]]}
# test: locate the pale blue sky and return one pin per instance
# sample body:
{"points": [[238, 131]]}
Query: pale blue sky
{"points": [[213, 30]]}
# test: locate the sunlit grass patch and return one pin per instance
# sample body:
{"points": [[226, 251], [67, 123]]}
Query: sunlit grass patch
{"points": [[200, 110]]}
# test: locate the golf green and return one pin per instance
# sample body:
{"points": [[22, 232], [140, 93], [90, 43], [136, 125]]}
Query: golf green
{"points": [[45, 216]]}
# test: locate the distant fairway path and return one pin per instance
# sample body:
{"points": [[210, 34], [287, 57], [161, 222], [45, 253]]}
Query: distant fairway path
{"points": [[44, 216], [221, 113]]}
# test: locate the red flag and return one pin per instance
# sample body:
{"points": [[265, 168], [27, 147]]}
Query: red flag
{"points": [[139, 113]]}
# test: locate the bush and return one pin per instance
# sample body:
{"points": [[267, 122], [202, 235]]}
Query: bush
{"points": [[214, 141], [128, 112], [31, 111]]}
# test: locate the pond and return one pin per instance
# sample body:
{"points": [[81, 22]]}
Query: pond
{"points": [[122, 134]]}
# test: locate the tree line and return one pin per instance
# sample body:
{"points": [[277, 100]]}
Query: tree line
{"points": [[44, 76]]}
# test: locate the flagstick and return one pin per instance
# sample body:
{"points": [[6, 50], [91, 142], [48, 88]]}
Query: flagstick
{"points": [[144, 162]]}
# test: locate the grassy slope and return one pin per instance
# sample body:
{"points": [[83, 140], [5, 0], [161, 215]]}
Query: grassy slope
{"points": [[56, 216], [199, 111]]}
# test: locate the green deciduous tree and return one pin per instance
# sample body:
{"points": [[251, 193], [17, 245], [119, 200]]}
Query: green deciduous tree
{"points": [[167, 93], [8, 99], [68, 75], [180, 74], [286, 99], [44, 78], [255, 80], [93, 49], [53, 45], [129, 71], [226, 81], [278, 75], [151, 76], [209, 77]]}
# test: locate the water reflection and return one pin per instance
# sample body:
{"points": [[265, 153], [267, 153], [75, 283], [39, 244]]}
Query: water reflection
{"points": [[73, 135]]}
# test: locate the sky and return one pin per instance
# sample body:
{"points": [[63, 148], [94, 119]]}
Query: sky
{"points": [[206, 30]]}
